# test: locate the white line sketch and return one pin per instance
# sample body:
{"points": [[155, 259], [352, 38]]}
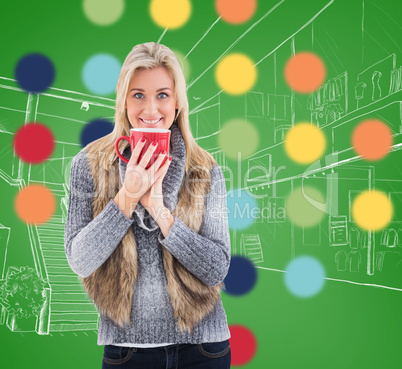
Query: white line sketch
{"points": [[338, 231], [163, 34], [66, 305], [234, 43], [203, 36], [354, 255], [341, 280], [251, 247]]}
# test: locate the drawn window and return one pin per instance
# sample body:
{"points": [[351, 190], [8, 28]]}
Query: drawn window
{"points": [[254, 105], [278, 107]]}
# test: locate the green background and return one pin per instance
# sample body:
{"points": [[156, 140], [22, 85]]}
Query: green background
{"points": [[355, 320]]}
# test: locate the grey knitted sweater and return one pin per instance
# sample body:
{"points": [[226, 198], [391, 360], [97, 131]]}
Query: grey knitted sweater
{"points": [[90, 241]]}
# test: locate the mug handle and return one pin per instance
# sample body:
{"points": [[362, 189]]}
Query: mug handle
{"points": [[116, 147]]}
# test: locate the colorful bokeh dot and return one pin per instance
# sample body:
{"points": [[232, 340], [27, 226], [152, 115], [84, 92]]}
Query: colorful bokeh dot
{"points": [[33, 143], [238, 139], [236, 11], [35, 204], [242, 209], [372, 210], [241, 277], [305, 206], [170, 14], [100, 74], [34, 73], [304, 143], [243, 345], [236, 73], [372, 140], [304, 276], [94, 130], [103, 12], [305, 72]]}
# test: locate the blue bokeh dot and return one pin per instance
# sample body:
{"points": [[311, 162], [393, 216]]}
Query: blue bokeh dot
{"points": [[243, 209], [94, 130], [241, 277], [100, 74], [34, 73], [304, 276]]}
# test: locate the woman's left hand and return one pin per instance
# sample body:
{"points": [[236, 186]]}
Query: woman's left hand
{"points": [[152, 200]]}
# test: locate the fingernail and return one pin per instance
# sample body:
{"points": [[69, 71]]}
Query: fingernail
{"points": [[163, 152], [154, 143], [170, 158], [143, 139]]}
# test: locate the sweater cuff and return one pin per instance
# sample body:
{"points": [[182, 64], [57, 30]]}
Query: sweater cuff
{"points": [[116, 215], [178, 233]]}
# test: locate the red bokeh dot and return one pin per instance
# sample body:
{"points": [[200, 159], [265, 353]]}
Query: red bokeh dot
{"points": [[34, 143], [243, 344]]}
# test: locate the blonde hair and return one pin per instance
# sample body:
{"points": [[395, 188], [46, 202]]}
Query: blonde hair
{"points": [[148, 56]]}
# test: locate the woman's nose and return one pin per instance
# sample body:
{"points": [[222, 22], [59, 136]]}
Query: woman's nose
{"points": [[151, 106]]}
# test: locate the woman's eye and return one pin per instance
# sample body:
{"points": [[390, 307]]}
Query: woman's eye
{"points": [[139, 95]]}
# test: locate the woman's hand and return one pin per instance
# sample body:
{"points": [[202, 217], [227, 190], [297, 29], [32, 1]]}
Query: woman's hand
{"points": [[139, 180], [152, 200]]}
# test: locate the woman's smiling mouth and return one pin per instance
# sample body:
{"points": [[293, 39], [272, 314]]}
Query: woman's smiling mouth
{"points": [[154, 121]]}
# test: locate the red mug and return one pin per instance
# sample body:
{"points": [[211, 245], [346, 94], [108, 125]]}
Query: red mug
{"points": [[161, 136]]}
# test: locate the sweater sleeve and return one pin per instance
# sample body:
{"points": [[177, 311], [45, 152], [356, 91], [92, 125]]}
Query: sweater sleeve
{"points": [[88, 241], [205, 254]]}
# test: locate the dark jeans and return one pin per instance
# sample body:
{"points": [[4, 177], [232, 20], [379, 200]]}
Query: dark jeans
{"points": [[215, 355]]}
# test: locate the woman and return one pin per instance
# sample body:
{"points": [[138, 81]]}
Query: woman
{"points": [[152, 246]]}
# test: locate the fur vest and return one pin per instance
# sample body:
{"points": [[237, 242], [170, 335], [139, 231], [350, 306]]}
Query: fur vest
{"points": [[110, 287]]}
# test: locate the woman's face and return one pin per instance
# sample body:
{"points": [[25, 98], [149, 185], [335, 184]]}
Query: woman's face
{"points": [[151, 101]]}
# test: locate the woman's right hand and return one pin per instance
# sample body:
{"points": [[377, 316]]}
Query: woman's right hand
{"points": [[138, 180]]}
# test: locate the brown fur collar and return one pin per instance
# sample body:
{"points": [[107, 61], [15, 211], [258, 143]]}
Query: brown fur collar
{"points": [[110, 287]]}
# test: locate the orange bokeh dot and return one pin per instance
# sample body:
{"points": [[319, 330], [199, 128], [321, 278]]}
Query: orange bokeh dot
{"points": [[236, 11], [372, 139], [305, 72], [35, 204]]}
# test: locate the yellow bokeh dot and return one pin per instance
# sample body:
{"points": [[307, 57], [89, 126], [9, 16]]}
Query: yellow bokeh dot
{"points": [[103, 12], [170, 14], [304, 143], [236, 74], [372, 210]]}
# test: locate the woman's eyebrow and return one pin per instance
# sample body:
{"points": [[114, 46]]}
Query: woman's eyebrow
{"points": [[140, 89]]}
